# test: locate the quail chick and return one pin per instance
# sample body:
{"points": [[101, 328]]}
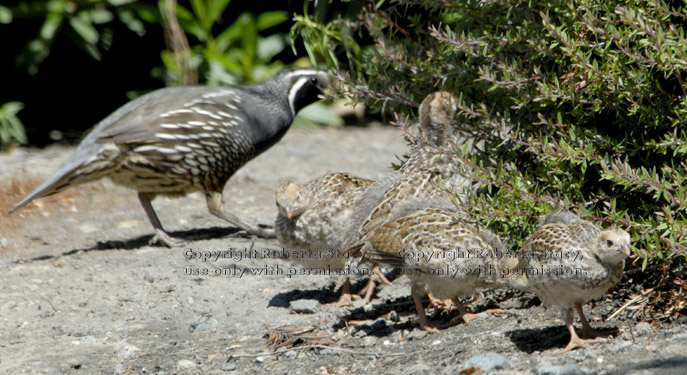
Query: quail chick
{"points": [[568, 261], [442, 253], [424, 177], [177, 140], [314, 218]]}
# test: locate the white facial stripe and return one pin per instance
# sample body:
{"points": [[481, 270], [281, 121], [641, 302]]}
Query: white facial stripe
{"points": [[294, 90], [301, 72]]}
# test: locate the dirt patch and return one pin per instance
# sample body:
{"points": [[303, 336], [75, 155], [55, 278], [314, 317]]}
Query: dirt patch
{"points": [[82, 292]]}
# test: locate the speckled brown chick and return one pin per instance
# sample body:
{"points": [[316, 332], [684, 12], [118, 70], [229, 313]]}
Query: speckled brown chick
{"points": [[426, 178], [568, 262], [441, 252], [315, 218]]}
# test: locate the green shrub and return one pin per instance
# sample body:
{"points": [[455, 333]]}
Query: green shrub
{"points": [[574, 105], [11, 128]]}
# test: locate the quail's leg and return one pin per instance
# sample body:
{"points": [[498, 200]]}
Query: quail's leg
{"points": [[346, 298], [161, 237], [418, 293], [575, 341], [440, 304], [379, 274], [215, 205], [587, 330], [369, 289], [463, 314]]}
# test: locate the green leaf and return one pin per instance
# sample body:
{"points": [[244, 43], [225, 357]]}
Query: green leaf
{"points": [[50, 26], [85, 29], [134, 24], [118, 3], [216, 8], [100, 15], [270, 46], [5, 15], [270, 19], [200, 12]]}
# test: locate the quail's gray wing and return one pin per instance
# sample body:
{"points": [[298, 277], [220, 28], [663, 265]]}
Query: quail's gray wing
{"points": [[194, 110]]}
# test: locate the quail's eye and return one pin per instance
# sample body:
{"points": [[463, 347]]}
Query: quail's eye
{"points": [[609, 243], [313, 80]]}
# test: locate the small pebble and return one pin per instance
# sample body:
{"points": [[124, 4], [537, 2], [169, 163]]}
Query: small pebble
{"points": [[306, 306], [360, 333], [416, 334], [186, 364], [229, 366], [396, 336], [369, 341], [204, 323], [642, 329], [623, 343], [487, 362]]}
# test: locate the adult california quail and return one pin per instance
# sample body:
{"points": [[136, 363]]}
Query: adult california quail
{"points": [[568, 261], [442, 252], [178, 140], [314, 217]]}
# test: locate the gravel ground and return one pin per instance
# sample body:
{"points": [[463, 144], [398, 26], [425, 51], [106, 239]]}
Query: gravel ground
{"points": [[81, 292]]}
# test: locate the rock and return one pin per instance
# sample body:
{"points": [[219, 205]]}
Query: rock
{"points": [[396, 336], [128, 351], [229, 366], [204, 323], [369, 341], [416, 334], [185, 364], [482, 316], [643, 329], [260, 359], [360, 333], [88, 340], [623, 343], [487, 362], [567, 369], [305, 306]]}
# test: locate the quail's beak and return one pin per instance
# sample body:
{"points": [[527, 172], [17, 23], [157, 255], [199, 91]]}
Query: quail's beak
{"points": [[288, 212], [625, 249]]}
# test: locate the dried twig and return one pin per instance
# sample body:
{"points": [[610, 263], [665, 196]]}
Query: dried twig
{"points": [[644, 295]]}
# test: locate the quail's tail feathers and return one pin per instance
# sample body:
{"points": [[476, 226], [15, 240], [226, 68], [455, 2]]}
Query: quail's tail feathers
{"points": [[78, 169]]}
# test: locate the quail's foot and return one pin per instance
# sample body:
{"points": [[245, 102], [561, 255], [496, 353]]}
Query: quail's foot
{"points": [[162, 238]]}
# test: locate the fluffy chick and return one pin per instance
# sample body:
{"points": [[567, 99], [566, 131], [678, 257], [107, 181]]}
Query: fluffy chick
{"points": [[568, 262], [315, 218]]}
